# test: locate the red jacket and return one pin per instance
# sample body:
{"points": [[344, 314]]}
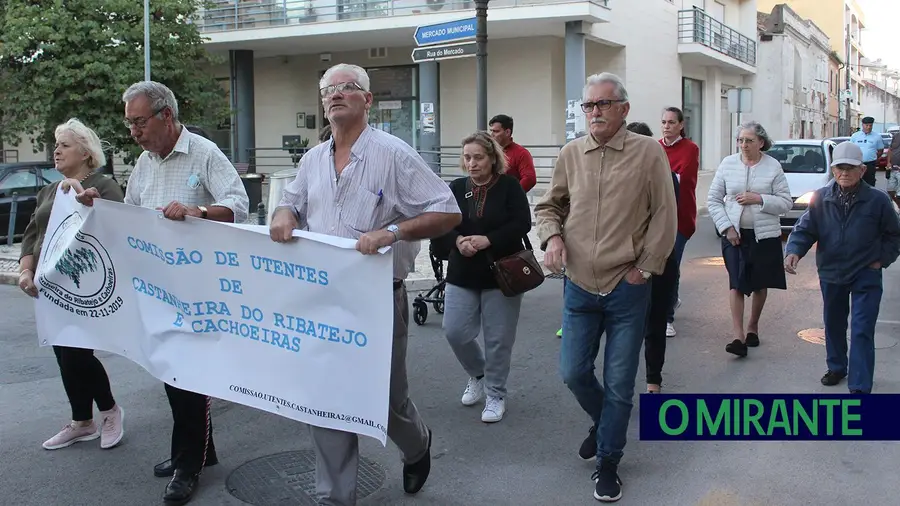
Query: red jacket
{"points": [[520, 165], [684, 159]]}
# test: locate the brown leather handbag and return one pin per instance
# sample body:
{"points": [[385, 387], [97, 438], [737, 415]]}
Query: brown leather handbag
{"points": [[517, 273]]}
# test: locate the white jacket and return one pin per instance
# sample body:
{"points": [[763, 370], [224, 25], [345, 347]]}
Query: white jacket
{"points": [[734, 177]]}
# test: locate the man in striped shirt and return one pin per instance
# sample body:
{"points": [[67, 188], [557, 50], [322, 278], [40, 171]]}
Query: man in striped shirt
{"points": [[368, 185], [181, 174]]}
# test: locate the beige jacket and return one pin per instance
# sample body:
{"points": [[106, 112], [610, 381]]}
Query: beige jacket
{"points": [[614, 207]]}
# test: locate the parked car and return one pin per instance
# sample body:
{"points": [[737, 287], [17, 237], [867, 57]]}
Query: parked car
{"points": [[24, 179], [806, 164]]}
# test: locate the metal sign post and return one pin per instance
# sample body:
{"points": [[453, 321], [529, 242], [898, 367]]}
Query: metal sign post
{"points": [[740, 100]]}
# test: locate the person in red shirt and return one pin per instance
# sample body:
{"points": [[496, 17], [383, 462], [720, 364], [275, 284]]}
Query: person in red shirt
{"points": [[520, 164], [684, 159]]}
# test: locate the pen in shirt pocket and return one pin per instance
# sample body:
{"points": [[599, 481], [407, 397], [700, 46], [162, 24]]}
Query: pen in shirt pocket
{"points": [[380, 197]]}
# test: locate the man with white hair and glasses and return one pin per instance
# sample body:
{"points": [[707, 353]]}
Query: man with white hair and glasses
{"points": [[181, 174], [609, 243], [368, 185]]}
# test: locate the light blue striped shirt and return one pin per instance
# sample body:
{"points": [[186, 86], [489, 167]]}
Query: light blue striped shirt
{"points": [[385, 182]]}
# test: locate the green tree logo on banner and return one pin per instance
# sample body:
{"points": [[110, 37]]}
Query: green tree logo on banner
{"points": [[73, 265]]}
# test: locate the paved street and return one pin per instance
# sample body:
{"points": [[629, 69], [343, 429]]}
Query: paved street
{"points": [[530, 458]]}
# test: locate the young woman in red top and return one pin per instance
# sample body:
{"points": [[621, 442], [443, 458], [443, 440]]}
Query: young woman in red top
{"points": [[684, 159]]}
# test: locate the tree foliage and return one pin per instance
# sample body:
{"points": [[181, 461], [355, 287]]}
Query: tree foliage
{"points": [[74, 58]]}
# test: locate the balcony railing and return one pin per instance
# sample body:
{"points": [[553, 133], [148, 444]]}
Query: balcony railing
{"points": [[247, 14], [696, 26]]}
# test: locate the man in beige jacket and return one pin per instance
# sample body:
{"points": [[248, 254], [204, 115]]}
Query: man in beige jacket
{"points": [[608, 222]]}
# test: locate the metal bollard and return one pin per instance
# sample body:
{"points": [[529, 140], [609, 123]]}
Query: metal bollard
{"points": [[261, 213], [12, 219]]}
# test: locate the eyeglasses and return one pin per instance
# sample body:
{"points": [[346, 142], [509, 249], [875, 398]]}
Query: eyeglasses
{"points": [[141, 122], [742, 140], [600, 104], [340, 88]]}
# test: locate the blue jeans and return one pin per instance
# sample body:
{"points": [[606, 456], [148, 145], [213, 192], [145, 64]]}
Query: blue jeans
{"points": [[865, 294], [677, 253], [623, 315]]}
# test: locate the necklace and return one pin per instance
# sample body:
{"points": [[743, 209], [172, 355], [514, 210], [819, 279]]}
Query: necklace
{"points": [[85, 177]]}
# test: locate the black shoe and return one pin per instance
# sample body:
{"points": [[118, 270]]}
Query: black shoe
{"points": [[180, 490], [165, 469], [752, 340], [736, 347], [608, 486], [588, 450], [415, 474], [832, 378]]}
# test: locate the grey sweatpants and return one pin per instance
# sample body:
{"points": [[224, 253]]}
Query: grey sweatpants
{"points": [[337, 452], [497, 315]]}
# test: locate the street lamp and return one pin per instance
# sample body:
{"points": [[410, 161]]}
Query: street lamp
{"points": [[481, 7], [146, 40]]}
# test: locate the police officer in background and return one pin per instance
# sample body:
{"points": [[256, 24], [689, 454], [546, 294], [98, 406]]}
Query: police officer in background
{"points": [[871, 145]]}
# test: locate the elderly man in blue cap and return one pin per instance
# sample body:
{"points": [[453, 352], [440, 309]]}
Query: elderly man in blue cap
{"points": [[857, 232]]}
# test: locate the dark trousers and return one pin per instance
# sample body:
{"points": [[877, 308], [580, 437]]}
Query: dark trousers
{"points": [[662, 289], [85, 381], [865, 295], [871, 171], [192, 441]]}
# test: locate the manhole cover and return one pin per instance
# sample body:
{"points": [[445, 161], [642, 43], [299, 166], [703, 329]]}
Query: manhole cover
{"points": [[25, 370], [289, 479], [817, 336], [716, 261]]}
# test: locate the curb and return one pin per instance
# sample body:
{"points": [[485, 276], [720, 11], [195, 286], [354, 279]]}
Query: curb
{"points": [[9, 278]]}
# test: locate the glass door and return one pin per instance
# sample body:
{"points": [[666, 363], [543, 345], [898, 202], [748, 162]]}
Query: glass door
{"points": [[395, 101], [396, 117]]}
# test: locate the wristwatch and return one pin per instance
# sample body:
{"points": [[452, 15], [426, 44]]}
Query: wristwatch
{"points": [[203, 212], [394, 229], [645, 274]]}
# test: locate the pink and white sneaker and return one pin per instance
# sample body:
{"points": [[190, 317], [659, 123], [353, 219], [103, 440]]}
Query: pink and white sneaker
{"points": [[112, 429], [71, 434]]}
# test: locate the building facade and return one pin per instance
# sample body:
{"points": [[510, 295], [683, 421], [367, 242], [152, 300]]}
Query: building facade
{"points": [[669, 52], [881, 96], [792, 85], [842, 21], [835, 64]]}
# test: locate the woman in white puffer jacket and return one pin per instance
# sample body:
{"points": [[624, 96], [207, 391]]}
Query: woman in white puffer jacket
{"points": [[748, 194]]}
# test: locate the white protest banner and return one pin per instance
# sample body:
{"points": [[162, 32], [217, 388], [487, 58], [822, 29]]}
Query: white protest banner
{"points": [[303, 330]]}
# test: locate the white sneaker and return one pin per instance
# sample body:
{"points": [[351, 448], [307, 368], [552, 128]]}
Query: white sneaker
{"points": [[494, 409], [670, 330], [474, 391]]}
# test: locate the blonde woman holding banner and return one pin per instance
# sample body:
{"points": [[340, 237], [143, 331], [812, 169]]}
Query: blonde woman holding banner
{"points": [[78, 155]]}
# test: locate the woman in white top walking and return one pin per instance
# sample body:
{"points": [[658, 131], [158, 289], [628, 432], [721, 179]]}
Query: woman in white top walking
{"points": [[748, 194]]}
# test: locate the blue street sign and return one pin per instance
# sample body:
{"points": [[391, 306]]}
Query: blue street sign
{"points": [[451, 31]]}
